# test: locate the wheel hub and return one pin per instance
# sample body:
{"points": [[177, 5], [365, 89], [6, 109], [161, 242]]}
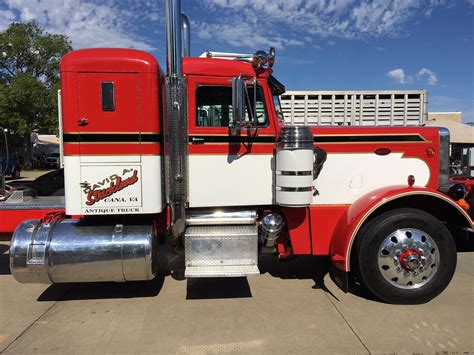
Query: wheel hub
{"points": [[408, 258]]}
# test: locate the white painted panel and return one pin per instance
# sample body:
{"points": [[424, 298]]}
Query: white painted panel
{"points": [[116, 187], [346, 177], [72, 187], [101, 159], [230, 180]]}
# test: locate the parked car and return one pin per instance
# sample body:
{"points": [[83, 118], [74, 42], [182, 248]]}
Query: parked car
{"points": [[52, 160]]}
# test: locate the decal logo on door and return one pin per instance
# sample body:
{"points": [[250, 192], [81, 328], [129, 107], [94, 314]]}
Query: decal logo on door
{"points": [[116, 183]]}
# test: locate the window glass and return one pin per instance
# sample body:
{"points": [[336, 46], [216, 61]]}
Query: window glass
{"points": [[214, 106], [108, 96], [278, 109]]}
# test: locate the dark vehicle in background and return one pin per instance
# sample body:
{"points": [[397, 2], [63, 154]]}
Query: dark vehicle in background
{"points": [[49, 184], [52, 160], [10, 164]]}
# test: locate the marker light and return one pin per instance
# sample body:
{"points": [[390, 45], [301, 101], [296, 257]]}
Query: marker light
{"points": [[463, 204]]}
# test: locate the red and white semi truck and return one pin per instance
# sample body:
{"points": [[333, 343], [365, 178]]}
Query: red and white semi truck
{"points": [[202, 154]]}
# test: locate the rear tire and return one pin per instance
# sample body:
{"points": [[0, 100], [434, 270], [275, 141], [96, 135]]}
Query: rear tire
{"points": [[405, 256]]}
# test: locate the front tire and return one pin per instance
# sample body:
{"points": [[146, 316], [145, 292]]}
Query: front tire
{"points": [[405, 256]]}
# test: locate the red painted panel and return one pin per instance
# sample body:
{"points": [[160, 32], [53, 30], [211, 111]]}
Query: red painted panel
{"points": [[218, 67], [136, 77], [299, 229], [351, 221], [10, 219], [112, 149], [324, 220], [125, 117], [116, 60]]}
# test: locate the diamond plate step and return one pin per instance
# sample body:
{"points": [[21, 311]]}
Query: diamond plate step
{"points": [[221, 271], [221, 251]]}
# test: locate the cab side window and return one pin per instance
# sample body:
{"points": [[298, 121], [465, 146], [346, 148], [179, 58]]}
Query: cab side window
{"points": [[214, 106]]}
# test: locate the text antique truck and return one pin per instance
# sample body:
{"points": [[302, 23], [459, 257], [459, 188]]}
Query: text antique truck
{"points": [[203, 154]]}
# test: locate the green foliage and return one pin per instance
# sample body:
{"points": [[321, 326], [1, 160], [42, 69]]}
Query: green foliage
{"points": [[26, 49], [25, 104], [29, 78]]}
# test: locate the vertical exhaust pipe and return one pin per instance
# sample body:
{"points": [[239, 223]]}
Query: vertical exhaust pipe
{"points": [[173, 38], [186, 36], [175, 122]]}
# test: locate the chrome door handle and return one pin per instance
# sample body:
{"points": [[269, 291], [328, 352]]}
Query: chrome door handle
{"points": [[197, 140], [83, 122]]}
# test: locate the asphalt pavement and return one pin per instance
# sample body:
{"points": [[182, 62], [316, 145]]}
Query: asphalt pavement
{"points": [[288, 309]]}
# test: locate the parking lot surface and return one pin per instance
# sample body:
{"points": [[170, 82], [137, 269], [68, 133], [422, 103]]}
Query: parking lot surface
{"points": [[285, 310]]}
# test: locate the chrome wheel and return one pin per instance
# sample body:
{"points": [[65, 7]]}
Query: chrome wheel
{"points": [[408, 258]]}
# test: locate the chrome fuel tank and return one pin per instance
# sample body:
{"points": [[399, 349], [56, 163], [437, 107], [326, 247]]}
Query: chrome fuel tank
{"points": [[71, 251]]}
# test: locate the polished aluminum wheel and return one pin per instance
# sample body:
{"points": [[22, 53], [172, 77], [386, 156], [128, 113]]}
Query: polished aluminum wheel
{"points": [[408, 258]]}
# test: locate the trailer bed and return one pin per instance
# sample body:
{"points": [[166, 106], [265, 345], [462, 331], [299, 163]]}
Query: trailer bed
{"points": [[13, 213]]}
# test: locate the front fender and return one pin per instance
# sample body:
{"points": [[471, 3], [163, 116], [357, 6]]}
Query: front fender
{"points": [[350, 224]]}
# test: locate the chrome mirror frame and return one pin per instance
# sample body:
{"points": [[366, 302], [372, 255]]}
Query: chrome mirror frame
{"points": [[271, 57], [241, 97], [238, 104]]}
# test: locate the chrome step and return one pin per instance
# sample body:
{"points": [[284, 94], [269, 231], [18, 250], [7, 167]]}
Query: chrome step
{"points": [[222, 271], [218, 251]]}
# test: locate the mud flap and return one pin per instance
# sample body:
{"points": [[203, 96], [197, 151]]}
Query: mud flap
{"points": [[340, 278]]}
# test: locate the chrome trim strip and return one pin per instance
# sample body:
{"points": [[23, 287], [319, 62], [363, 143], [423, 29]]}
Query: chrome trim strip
{"points": [[220, 217], [444, 143]]}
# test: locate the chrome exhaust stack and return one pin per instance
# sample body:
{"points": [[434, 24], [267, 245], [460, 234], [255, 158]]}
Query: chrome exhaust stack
{"points": [[175, 122], [186, 35], [72, 251]]}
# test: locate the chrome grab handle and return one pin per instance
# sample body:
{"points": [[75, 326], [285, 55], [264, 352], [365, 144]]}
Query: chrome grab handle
{"points": [[83, 122]]}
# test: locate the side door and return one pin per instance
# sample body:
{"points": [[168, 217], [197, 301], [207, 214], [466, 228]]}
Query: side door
{"points": [[225, 169], [108, 117]]}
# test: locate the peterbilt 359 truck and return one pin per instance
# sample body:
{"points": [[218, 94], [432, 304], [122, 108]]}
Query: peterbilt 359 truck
{"points": [[199, 158]]}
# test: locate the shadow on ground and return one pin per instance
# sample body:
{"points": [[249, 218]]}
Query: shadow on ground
{"points": [[302, 267], [102, 290], [220, 287]]}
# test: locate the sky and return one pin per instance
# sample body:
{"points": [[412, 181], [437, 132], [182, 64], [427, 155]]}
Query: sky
{"points": [[320, 44]]}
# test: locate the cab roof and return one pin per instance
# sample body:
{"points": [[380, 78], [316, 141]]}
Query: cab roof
{"points": [[104, 60], [136, 61], [217, 67]]}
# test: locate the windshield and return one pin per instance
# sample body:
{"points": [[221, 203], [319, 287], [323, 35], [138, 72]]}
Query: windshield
{"points": [[278, 110], [277, 89]]}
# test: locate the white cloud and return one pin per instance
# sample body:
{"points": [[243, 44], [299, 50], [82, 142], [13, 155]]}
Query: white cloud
{"points": [[87, 24], [239, 33], [6, 17], [298, 19], [382, 17], [325, 18], [398, 75], [430, 76]]}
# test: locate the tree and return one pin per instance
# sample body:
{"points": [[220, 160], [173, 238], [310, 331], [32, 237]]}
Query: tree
{"points": [[29, 79]]}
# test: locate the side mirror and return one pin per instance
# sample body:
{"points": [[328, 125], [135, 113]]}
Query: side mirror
{"points": [[238, 104]]}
